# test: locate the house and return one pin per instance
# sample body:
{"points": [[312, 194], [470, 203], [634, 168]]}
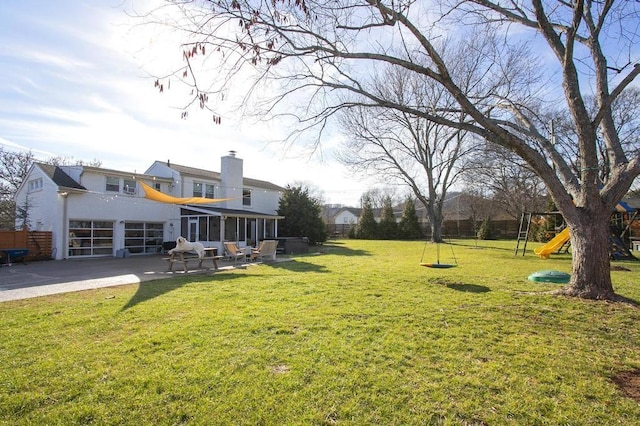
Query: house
{"points": [[346, 216], [94, 211], [339, 220]]}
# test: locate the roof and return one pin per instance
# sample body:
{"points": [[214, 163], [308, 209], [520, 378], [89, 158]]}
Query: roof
{"points": [[227, 212], [59, 177], [193, 171], [208, 174], [134, 175], [353, 210]]}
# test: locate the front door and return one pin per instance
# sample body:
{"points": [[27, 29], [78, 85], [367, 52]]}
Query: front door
{"points": [[252, 234], [193, 229]]}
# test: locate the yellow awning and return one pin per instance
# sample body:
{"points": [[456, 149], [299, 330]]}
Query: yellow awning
{"points": [[161, 197]]}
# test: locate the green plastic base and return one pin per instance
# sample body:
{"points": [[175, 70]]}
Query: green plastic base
{"points": [[550, 277]]}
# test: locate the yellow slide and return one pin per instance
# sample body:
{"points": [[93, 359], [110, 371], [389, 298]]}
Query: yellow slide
{"points": [[553, 245]]}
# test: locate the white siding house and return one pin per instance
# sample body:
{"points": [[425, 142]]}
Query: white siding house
{"points": [[347, 216], [93, 211]]}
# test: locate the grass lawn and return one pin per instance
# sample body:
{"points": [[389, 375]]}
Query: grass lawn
{"points": [[360, 334]]}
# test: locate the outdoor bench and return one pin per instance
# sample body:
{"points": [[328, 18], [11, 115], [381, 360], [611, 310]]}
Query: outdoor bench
{"points": [[179, 257]]}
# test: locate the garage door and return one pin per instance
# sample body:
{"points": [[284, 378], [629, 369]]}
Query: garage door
{"points": [[143, 237], [90, 238]]}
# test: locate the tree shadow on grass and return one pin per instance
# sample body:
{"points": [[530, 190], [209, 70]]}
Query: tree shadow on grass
{"points": [[485, 244], [151, 289], [629, 301], [340, 250], [297, 265], [469, 288]]}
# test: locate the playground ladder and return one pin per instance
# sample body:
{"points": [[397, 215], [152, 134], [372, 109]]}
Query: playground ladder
{"points": [[523, 233]]}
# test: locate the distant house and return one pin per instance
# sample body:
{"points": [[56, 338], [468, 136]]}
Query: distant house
{"points": [[347, 216], [94, 211], [340, 220]]}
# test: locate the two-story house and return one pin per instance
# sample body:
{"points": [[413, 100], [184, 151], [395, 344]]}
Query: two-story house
{"points": [[93, 211]]}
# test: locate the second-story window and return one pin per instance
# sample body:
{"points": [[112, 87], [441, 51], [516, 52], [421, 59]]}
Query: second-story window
{"points": [[35, 184], [113, 184], [209, 192], [246, 197], [129, 186], [197, 189]]}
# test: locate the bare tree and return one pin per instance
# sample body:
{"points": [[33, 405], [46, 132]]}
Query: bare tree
{"points": [[625, 112], [376, 197], [307, 52], [14, 166], [314, 191], [507, 180], [400, 147], [13, 170]]}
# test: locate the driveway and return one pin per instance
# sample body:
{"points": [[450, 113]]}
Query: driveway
{"points": [[34, 279]]}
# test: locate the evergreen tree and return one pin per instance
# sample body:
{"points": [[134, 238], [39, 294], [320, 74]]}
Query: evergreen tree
{"points": [[352, 232], [409, 226], [387, 228], [486, 230], [367, 226], [302, 215]]}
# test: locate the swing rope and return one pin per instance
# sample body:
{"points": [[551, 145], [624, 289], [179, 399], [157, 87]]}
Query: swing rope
{"points": [[438, 264]]}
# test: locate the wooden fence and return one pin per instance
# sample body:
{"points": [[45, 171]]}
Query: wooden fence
{"points": [[450, 229], [39, 243]]}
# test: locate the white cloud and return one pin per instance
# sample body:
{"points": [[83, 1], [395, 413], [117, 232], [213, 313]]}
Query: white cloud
{"points": [[76, 83]]}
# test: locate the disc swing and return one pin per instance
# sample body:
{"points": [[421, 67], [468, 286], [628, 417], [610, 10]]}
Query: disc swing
{"points": [[438, 264]]}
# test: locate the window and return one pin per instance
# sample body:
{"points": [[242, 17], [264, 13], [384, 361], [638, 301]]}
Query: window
{"points": [[206, 227], [197, 189], [129, 186], [35, 184], [246, 197], [269, 228], [157, 186], [209, 191], [113, 184], [203, 190], [214, 228], [230, 229]]}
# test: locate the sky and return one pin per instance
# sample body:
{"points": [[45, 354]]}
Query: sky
{"points": [[77, 82]]}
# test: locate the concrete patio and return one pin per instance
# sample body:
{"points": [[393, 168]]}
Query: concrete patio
{"points": [[34, 279]]}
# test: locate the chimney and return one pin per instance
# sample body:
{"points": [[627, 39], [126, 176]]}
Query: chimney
{"points": [[231, 176]]}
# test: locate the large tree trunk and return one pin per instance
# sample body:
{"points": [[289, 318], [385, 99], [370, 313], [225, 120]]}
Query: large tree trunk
{"points": [[435, 219], [436, 232], [591, 275]]}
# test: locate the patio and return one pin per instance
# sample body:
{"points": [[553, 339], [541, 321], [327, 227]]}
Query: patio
{"points": [[34, 279]]}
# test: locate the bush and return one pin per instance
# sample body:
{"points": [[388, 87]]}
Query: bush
{"points": [[485, 232]]}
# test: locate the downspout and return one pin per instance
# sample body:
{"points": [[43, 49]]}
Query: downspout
{"points": [[65, 226]]}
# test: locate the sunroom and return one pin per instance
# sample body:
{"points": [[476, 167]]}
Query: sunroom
{"points": [[212, 226]]}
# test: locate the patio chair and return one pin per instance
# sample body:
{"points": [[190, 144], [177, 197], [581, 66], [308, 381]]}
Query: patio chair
{"points": [[266, 249], [232, 251]]}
